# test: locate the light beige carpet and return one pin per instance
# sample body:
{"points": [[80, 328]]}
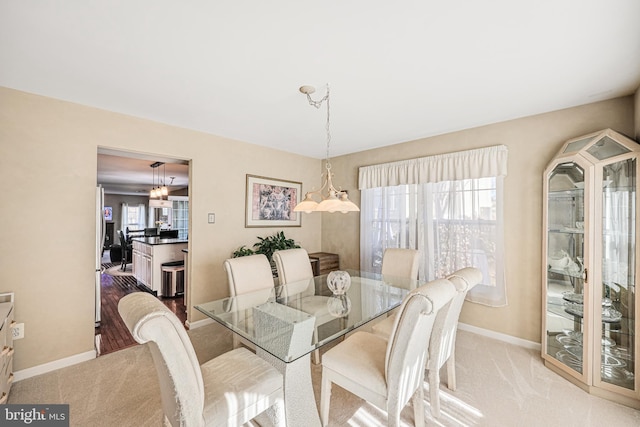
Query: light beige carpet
{"points": [[498, 385]]}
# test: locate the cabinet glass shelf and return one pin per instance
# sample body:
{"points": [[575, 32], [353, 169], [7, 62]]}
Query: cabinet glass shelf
{"points": [[566, 230], [578, 275]]}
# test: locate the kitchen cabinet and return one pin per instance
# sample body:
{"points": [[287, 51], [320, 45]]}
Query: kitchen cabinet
{"points": [[149, 254], [590, 265]]}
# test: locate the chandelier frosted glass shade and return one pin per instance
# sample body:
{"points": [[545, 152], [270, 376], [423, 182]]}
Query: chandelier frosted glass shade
{"points": [[333, 201], [308, 205], [330, 204], [337, 204]]}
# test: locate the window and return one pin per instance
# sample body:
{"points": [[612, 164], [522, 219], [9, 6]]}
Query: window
{"points": [[133, 217], [454, 223], [462, 227], [180, 220]]}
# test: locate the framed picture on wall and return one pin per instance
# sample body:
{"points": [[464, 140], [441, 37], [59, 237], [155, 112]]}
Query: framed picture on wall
{"points": [[270, 202], [108, 213]]}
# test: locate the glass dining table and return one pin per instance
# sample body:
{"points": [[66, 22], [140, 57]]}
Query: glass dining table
{"points": [[287, 323]]}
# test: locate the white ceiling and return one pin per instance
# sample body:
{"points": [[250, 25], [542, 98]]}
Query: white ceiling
{"points": [[398, 70], [125, 173]]}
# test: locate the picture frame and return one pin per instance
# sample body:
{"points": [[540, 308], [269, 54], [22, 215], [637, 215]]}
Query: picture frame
{"points": [[270, 202], [108, 213]]}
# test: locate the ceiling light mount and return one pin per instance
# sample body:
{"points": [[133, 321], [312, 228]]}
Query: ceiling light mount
{"points": [[334, 200], [307, 90]]}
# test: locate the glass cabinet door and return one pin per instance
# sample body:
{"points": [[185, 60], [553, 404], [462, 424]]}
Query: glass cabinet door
{"points": [[565, 264], [618, 274]]}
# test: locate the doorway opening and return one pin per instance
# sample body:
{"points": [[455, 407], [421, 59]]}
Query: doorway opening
{"points": [[127, 214]]}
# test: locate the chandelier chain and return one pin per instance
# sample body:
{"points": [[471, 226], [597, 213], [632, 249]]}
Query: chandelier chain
{"points": [[328, 128], [318, 104]]}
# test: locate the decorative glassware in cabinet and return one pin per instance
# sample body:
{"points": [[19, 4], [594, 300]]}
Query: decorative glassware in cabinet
{"points": [[565, 264]]}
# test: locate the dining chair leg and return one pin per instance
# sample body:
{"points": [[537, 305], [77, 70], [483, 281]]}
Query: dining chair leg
{"points": [[418, 407], [434, 390], [451, 371], [393, 415], [325, 399]]}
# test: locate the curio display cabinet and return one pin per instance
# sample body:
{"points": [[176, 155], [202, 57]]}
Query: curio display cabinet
{"points": [[590, 269]]}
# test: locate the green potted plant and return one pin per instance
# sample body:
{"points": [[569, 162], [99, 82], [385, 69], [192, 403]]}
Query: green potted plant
{"points": [[267, 246]]}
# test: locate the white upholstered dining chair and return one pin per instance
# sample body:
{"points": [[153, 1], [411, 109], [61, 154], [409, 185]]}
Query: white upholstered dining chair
{"points": [[248, 274], [388, 373], [401, 262], [293, 265], [443, 337], [296, 274], [228, 390]]}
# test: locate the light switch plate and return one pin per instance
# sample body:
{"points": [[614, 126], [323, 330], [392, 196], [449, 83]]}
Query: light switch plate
{"points": [[212, 218]]}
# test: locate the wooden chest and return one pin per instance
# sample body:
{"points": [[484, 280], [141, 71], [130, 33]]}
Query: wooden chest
{"points": [[324, 262]]}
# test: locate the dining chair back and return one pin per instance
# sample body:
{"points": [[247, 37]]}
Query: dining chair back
{"points": [[388, 373], [150, 232], [401, 262], [228, 390], [248, 273], [169, 234], [292, 265], [126, 250], [295, 275], [403, 265]]}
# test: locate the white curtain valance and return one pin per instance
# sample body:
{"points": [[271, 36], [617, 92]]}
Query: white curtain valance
{"points": [[470, 164]]}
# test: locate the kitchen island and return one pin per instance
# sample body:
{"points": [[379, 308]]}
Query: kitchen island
{"points": [[149, 253]]}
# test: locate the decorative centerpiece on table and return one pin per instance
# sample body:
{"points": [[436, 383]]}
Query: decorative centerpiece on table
{"points": [[338, 282]]}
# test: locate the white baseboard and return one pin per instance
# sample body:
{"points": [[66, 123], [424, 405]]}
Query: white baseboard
{"points": [[200, 323], [52, 366], [83, 357], [78, 358], [500, 337]]}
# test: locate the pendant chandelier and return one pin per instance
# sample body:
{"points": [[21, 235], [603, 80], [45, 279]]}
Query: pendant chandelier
{"points": [[161, 191], [333, 200]]}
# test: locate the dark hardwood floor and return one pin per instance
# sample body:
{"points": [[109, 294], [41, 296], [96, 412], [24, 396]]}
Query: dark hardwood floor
{"points": [[112, 334]]}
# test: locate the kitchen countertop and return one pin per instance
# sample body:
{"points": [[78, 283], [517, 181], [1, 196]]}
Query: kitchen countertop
{"points": [[158, 241]]}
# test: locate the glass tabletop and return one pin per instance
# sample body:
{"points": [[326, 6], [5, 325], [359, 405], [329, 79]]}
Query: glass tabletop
{"points": [[291, 321]]}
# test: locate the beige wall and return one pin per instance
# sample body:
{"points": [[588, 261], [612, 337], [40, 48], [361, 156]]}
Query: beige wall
{"points": [[47, 256], [532, 142], [48, 161]]}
